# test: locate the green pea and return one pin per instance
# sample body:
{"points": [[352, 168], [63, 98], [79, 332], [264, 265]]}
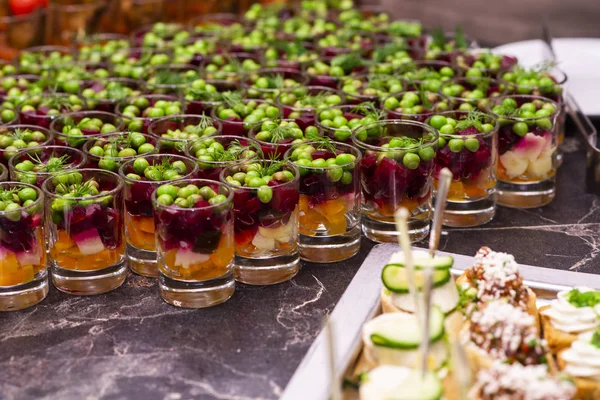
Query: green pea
{"points": [[256, 182], [107, 164], [335, 173], [411, 161], [27, 194], [544, 123], [184, 192], [520, 128], [165, 199], [145, 148], [437, 121], [265, 194], [140, 165], [218, 199], [346, 178], [167, 189], [447, 129], [472, 144], [426, 153], [456, 145], [179, 166], [207, 193]]}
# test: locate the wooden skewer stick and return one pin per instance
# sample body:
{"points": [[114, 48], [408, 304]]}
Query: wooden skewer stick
{"points": [[335, 393], [444, 180], [401, 218]]}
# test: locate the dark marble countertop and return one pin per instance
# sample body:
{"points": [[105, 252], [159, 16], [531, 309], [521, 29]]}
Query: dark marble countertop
{"points": [[128, 344]]}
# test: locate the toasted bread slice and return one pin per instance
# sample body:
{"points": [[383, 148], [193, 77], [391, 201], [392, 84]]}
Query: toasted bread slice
{"points": [[586, 388], [557, 340]]}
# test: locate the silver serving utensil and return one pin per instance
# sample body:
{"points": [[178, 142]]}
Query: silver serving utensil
{"points": [[547, 38], [444, 180]]}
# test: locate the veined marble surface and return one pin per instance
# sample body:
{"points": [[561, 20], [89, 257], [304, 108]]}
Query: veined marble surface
{"points": [[128, 344]]}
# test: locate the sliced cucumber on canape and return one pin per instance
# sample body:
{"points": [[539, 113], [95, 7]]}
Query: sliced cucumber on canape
{"points": [[400, 383], [395, 278], [446, 297], [394, 338], [408, 336], [422, 259]]}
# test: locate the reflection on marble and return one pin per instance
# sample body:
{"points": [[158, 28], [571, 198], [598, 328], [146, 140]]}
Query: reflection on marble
{"points": [[130, 345]]}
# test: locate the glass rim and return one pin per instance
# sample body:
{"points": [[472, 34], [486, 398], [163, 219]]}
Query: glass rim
{"points": [[11, 161], [478, 134], [288, 164], [353, 149], [216, 124], [127, 180], [497, 99], [61, 117], [113, 191], [166, 97], [11, 128], [214, 111], [359, 143], [92, 139], [551, 73], [217, 164], [382, 103], [37, 202], [195, 181], [321, 88], [19, 106]]}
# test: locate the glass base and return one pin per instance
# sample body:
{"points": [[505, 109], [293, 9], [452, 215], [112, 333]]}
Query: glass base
{"points": [[85, 283], [329, 249], [385, 232], [19, 297], [196, 294], [142, 262], [470, 213], [525, 195], [266, 271]]}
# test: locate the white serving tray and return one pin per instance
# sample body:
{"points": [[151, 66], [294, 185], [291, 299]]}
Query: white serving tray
{"points": [[361, 301]]}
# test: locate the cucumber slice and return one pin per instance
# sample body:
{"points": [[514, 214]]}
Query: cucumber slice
{"points": [[418, 387], [405, 334], [388, 382], [395, 278], [422, 259]]}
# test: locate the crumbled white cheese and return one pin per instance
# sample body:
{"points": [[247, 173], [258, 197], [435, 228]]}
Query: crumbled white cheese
{"points": [[510, 382]]}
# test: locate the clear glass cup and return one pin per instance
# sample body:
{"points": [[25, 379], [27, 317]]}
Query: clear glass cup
{"points": [[267, 83], [174, 133], [318, 77], [30, 135], [3, 173], [99, 47], [471, 93], [555, 90], [36, 164], [41, 110], [16, 88], [395, 177], [414, 106], [203, 102], [84, 231], [104, 94], [139, 221], [241, 124], [487, 63], [195, 247], [74, 129], [117, 149], [35, 60], [23, 274], [330, 124], [330, 200], [142, 123], [301, 103], [132, 63], [369, 88], [240, 149], [471, 154], [171, 79], [229, 67], [426, 75], [266, 232], [527, 154]]}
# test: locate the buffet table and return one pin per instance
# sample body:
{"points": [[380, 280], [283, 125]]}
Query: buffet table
{"points": [[129, 344]]}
